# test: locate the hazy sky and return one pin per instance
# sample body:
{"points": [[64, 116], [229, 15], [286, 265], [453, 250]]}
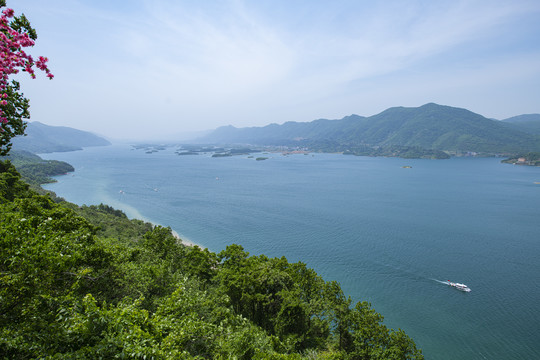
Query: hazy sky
{"points": [[156, 68]]}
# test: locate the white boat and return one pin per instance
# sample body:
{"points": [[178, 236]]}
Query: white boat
{"points": [[460, 287]]}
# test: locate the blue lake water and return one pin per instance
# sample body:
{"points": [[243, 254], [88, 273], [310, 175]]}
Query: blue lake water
{"points": [[390, 235]]}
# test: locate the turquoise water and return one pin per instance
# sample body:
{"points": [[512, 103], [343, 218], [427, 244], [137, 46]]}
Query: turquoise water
{"points": [[388, 234]]}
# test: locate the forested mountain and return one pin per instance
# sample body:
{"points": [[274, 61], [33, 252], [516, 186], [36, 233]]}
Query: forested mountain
{"points": [[275, 134], [88, 283], [528, 123], [430, 126], [41, 138]]}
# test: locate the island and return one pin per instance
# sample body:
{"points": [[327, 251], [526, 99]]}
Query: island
{"points": [[528, 159]]}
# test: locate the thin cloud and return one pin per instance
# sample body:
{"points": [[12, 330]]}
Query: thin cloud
{"points": [[199, 65]]}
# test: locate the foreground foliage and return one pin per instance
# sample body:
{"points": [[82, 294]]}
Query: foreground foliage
{"points": [[16, 34], [74, 288]]}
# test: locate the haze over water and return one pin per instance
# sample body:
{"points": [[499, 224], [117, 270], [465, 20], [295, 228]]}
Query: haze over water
{"points": [[390, 235]]}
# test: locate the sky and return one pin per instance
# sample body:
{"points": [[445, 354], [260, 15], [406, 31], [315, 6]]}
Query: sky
{"points": [[164, 69]]}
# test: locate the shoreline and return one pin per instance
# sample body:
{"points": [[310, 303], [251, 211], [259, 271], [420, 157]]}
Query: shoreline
{"points": [[133, 213], [183, 240]]}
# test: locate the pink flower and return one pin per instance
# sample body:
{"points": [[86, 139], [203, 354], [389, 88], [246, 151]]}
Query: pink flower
{"points": [[13, 58], [8, 13]]}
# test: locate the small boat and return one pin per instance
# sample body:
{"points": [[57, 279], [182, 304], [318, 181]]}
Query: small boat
{"points": [[460, 287]]}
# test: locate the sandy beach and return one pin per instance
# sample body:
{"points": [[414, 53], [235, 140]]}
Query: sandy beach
{"points": [[185, 241]]}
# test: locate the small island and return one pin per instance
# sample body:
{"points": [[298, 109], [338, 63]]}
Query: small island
{"points": [[187, 153], [529, 159]]}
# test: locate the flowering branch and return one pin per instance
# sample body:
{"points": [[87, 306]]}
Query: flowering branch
{"points": [[15, 35]]}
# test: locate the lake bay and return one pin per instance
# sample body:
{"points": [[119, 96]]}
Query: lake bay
{"points": [[390, 235]]}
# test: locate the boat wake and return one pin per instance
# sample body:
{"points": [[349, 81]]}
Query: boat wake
{"points": [[441, 282]]}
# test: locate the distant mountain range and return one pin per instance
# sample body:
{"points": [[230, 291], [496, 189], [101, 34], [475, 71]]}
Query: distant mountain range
{"points": [[41, 138], [430, 130], [428, 127]]}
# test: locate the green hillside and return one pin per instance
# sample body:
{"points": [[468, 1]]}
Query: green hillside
{"points": [[41, 138], [429, 127], [286, 133], [528, 123], [446, 128], [88, 283], [34, 169]]}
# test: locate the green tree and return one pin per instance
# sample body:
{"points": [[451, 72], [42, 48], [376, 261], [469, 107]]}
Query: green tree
{"points": [[200, 263], [11, 186], [371, 339], [15, 111]]}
